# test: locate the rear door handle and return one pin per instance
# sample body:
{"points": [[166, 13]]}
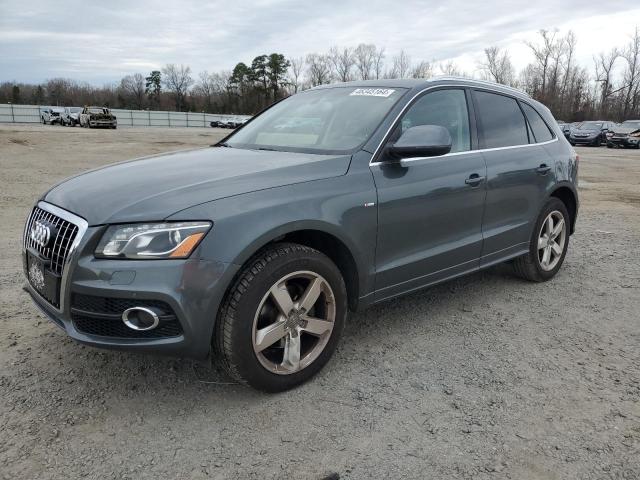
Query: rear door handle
{"points": [[474, 179], [543, 169]]}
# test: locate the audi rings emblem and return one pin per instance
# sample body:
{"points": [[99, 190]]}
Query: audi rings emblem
{"points": [[41, 233]]}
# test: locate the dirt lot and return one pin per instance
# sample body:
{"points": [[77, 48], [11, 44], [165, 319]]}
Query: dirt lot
{"points": [[484, 377]]}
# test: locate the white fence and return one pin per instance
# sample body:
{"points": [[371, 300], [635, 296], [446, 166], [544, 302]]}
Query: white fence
{"points": [[136, 118]]}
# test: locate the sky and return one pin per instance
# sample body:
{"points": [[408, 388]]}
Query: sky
{"points": [[101, 41]]}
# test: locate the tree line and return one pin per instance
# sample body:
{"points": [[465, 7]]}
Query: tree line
{"points": [[609, 88]]}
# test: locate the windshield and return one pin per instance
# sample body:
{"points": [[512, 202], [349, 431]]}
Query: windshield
{"points": [[631, 124], [75, 109], [590, 125], [96, 110], [328, 120]]}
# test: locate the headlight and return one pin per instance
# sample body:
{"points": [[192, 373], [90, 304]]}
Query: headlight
{"points": [[151, 240]]}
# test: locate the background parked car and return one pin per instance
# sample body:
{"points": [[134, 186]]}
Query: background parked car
{"points": [[51, 115], [227, 123], [92, 117], [590, 133], [626, 134], [70, 116]]}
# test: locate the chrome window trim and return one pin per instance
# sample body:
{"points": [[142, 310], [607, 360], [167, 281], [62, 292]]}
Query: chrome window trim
{"points": [[480, 150], [82, 225]]}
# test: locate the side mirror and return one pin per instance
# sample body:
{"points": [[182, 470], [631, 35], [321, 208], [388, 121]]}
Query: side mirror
{"points": [[421, 141]]}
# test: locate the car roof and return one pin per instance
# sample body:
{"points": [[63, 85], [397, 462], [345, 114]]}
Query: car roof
{"points": [[421, 83]]}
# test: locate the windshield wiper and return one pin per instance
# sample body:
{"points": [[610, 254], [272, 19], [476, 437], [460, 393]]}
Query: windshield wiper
{"points": [[267, 149], [225, 144]]}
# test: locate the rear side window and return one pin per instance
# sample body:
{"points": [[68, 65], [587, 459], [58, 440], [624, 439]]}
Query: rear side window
{"points": [[501, 120], [540, 130]]}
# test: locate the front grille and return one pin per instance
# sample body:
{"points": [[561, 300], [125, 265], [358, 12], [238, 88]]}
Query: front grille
{"points": [[102, 316], [59, 250]]}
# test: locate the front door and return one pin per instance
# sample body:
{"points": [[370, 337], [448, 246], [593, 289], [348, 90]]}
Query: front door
{"points": [[430, 209]]}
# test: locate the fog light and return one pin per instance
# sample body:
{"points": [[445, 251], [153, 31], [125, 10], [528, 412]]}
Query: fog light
{"points": [[140, 318]]}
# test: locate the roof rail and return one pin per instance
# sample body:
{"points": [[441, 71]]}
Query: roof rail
{"points": [[484, 82]]}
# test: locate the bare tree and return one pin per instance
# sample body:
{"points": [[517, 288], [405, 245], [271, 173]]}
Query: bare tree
{"points": [[133, 87], [207, 88], [296, 66], [543, 55], [497, 66], [631, 77], [318, 69], [365, 56], [342, 62], [604, 64], [449, 68], [422, 70], [378, 62], [401, 65], [177, 79]]}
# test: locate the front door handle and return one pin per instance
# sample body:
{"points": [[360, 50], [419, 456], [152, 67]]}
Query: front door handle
{"points": [[474, 179], [543, 169]]}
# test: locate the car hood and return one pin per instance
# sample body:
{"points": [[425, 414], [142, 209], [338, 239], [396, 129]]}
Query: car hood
{"points": [[587, 132], [153, 188], [625, 130]]}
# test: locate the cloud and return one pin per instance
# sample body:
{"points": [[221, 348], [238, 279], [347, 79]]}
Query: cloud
{"points": [[101, 43]]}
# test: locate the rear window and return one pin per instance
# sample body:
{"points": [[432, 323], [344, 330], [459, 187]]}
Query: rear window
{"points": [[540, 130], [501, 120]]}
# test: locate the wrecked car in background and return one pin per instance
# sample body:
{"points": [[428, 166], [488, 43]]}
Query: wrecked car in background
{"points": [[92, 117], [51, 115], [627, 134], [71, 116]]}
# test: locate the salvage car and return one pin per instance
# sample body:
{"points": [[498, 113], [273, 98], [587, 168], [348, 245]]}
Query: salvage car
{"points": [[258, 247], [625, 135], [70, 116], [229, 123], [51, 115], [92, 117], [590, 133]]}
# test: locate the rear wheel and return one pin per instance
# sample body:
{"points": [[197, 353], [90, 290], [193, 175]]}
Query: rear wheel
{"points": [[548, 244], [281, 320]]}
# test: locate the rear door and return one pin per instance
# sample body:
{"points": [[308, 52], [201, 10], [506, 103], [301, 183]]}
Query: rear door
{"points": [[519, 172], [430, 209]]}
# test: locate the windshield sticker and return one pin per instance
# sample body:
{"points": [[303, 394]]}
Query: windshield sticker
{"points": [[372, 92]]}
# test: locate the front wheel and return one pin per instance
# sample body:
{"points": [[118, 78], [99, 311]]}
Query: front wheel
{"points": [[548, 244], [281, 320]]}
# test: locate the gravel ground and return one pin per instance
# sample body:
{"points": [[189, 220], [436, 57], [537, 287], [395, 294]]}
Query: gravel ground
{"points": [[484, 377]]}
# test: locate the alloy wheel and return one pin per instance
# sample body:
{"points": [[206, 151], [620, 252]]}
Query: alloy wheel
{"points": [[293, 322], [551, 240]]}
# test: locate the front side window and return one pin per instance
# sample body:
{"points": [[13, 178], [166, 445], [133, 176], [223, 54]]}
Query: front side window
{"points": [[540, 130], [501, 121], [447, 108], [324, 121]]}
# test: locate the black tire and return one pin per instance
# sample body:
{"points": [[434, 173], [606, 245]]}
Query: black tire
{"points": [[609, 145], [233, 336], [528, 266]]}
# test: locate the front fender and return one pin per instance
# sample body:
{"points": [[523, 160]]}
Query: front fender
{"points": [[243, 224]]}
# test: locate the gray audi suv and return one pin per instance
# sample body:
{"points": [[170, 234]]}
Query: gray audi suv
{"points": [[331, 200]]}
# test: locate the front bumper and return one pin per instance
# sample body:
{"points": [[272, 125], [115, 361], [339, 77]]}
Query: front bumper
{"points": [[583, 140], [624, 141], [103, 123], [192, 288]]}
